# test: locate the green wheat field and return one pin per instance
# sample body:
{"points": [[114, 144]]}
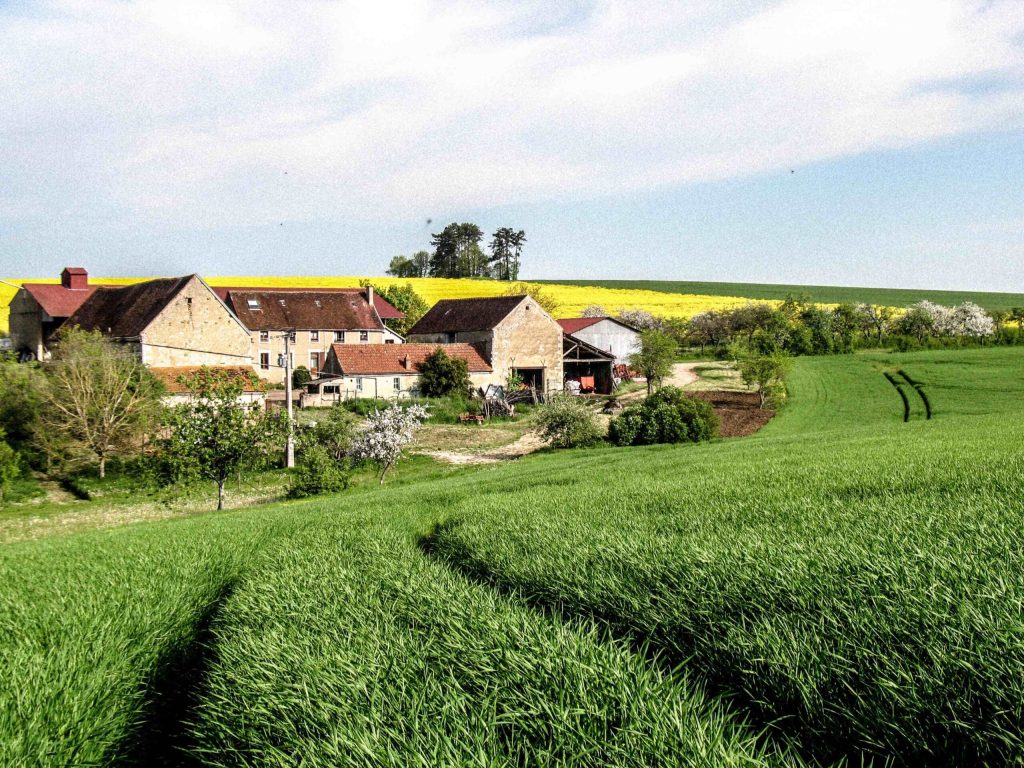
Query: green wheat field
{"points": [[845, 587]]}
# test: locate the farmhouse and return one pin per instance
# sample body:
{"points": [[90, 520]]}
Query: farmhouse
{"points": [[314, 319], [388, 371], [605, 333], [38, 310], [254, 389], [170, 322], [513, 333]]}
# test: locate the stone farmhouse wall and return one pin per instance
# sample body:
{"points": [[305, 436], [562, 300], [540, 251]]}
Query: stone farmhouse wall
{"points": [[25, 324], [195, 328], [305, 345]]}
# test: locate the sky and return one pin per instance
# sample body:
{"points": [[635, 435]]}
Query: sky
{"points": [[869, 142]]}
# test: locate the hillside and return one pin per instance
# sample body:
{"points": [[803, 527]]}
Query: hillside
{"points": [[848, 580], [824, 294]]}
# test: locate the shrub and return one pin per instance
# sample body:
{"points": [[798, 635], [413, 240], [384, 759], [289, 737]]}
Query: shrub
{"points": [[9, 466], [441, 375], [668, 416], [318, 472], [301, 376], [567, 422], [364, 406]]}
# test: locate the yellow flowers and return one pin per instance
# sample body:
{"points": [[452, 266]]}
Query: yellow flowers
{"points": [[571, 299]]}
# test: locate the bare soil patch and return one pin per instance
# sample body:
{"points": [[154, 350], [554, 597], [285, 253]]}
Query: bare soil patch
{"points": [[738, 412]]}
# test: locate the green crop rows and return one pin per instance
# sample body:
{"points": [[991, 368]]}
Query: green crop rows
{"points": [[842, 585]]}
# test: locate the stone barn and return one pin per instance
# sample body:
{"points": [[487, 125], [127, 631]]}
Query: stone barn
{"points": [[514, 333]]}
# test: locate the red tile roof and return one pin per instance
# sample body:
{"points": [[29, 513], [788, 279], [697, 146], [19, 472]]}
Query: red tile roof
{"points": [[384, 308], [171, 377], [573, 324], [56, 300], [368, 359]]}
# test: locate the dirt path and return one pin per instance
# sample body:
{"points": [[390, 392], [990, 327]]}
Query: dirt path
{"points": [[526, 444], [683, 374]]}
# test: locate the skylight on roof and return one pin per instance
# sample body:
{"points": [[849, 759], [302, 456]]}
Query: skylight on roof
{"points": [[253, 304]]}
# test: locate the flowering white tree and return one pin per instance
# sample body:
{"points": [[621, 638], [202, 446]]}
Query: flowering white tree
{"points": [[387, 434], [593, 310], [971, 320]]}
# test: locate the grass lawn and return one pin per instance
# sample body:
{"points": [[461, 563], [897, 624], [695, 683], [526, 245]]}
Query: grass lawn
{"points": [[841, 585]]}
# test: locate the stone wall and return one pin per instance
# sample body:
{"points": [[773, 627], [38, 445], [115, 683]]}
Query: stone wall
{"points": [[195, 328], [26, 324], [528, 338]]}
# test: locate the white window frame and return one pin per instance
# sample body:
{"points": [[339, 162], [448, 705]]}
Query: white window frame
{"points": [[264, 336], [398, 383], [359, 383], [339, 337], [314, 335], [364, 337], [264, 361]]}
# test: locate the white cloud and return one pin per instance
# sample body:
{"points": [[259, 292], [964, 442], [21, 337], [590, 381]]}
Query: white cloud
{"points": [[214, 112]]}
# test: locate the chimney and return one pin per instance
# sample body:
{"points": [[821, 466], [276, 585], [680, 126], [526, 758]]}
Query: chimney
{"points": [[369, 295], [405, 363], [74, 278]]}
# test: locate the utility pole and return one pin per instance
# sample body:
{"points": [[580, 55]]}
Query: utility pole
{"points": [[289, 457]]}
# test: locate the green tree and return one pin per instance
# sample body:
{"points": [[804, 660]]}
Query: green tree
{"points": [[318, 473], [568, 422], [457, 252], [403, 298], [654, 358], [506, 252], [547, 302], [401, 266], [22, 393], [301, 377], [215, 434], [9, 466], [766, 372], [442, 375], [100, 400]]}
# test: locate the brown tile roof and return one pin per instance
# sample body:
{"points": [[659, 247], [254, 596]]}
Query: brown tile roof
{"points": [[454, 315], [56, 300], [303, 310], [124, 311], [170, 377], [384, 308], [368, 359]]}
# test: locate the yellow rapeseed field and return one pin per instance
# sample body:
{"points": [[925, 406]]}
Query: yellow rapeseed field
{"points": [[571, 298]]}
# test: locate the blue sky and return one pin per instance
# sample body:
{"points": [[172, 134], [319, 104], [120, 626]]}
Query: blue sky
{"points": [[864, 143]]}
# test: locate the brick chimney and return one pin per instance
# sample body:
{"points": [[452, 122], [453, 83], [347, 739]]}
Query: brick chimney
{"points": [[74, 278], [406, 364]]}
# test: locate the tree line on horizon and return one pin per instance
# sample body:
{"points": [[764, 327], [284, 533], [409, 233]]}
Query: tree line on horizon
{"points": [[458, 253]]}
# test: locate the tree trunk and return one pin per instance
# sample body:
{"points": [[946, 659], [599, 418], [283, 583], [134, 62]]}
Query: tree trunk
{"points": [[103, 467], [220, 494]]}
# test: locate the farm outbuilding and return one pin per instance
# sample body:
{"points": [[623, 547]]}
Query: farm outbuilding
{"points": [[587, 368], [38, 310], [388, 371], [605, 333], [514, 334]]}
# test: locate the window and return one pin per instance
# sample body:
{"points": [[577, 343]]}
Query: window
{"points": [[265, 361], [451, 337], [364, 336], [398, 384], [264, 335], [188, 301], [314, 361], [339, 337], [253, 305], [389, 341], [331, 389], [359, 384], [314, 335], [291, 336]]}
